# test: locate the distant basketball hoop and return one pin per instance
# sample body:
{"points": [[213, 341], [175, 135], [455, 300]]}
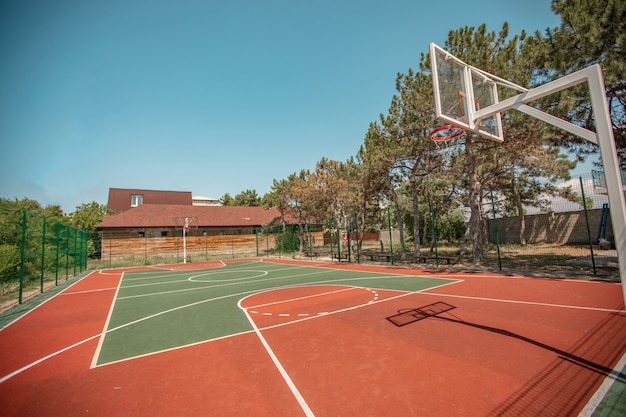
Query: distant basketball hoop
{"points": [[185, 224]]}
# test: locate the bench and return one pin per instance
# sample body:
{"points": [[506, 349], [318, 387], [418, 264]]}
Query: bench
{"points": [[449, 259], [380, 257], [343, 256]]}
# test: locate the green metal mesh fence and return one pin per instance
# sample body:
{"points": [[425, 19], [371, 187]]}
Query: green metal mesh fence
{"points": [[570, 236], [36, 253], [151, 246]]}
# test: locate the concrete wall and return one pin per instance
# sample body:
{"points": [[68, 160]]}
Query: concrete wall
{"points": [[568, 228]]}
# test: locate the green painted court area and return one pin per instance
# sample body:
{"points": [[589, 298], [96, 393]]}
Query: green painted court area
{"points": [[165, 309]]}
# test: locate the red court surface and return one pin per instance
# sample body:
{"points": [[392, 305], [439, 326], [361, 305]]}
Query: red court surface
{"points": [[509, 346]]}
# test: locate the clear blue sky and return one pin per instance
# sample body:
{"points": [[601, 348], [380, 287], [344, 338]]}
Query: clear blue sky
{"points": [[211, 97]]}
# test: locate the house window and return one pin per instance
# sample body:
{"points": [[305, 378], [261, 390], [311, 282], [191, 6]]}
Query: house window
{"points": [[163, 233], [136, 200], [141, 234]]}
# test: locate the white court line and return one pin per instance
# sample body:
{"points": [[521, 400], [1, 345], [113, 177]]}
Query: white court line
{"points": [[289, 300], [501, 300], [38, 361], [245, 293], [49, 299], [96, 353], [599, 395], [87, 291], [292, 386]]}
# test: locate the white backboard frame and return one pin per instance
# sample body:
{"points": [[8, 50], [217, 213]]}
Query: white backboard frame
{"points": [[603, 136], [472, 91]]}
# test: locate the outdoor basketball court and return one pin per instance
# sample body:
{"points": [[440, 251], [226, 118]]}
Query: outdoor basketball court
{"points": [[285, 338]]}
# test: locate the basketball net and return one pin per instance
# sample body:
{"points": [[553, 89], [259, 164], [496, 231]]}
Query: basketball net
{"points": [[446, 137]]}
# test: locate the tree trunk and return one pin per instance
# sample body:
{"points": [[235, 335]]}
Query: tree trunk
{"points": [[520, 209], [429, 223], [475, 219], [416, 219], [400, 223]]}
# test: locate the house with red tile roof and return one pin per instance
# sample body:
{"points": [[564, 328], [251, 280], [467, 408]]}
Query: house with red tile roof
{"points": [[157, 229]]}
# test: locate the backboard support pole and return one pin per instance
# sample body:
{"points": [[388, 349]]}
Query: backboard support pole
{"points": [[603, 137], [612, 174]]}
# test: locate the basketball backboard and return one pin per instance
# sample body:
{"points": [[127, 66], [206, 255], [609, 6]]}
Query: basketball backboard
{"points": [[460, 91], [468, 97]]}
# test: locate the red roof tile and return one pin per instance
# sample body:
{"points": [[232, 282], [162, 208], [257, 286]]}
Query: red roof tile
{"points": [[120, 198], [164, 215]]}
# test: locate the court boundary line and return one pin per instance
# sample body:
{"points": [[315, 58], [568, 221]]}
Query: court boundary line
{"points": [[283, 373], [305, 297], [598, 396], [45, 358], [102, 335], [250, 293], [375, 275], [27, 312], [502, 300], [354, 307], [321, 269]]}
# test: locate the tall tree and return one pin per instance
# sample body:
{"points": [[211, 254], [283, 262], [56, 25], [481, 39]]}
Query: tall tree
{"points": [[479, 48], [527, 151], [417, 157], [529, 160], [247, 198], [591, 32], [227, 200], [85, 217], [379, 155]]}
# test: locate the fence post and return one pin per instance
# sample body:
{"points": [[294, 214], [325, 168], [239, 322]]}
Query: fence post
{"points": [[582, 193], [145, 249], [67, 253], [110, 248], [43, 253], [338, 243], [83, 250], [495, 225], [330, 237], [358, 240], [57, 236], [434, 227], [348, 231], [390, 236], [19, 296], [75, 245]]}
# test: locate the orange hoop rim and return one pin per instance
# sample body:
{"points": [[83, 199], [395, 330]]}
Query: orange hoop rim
{"points": [[457, 131]]}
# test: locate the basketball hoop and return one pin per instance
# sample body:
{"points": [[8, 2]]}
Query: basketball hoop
{"points": [[446, 133], [185, 224]]}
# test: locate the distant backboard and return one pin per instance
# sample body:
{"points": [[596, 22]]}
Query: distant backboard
{"points": [[186, 222], [460, 91]]}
